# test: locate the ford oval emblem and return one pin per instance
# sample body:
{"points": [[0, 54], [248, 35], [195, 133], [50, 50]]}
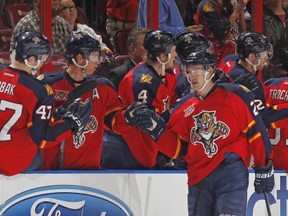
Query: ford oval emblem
{"points": [[65, 200]]}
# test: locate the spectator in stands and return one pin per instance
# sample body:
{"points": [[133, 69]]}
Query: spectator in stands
{"points": [[60, 28], [68, 12], [275, 21], [221, 25], [137, 53], [285, 4], [169, 18], [221, 18], [121, 15], [2, 5], [186, 10]]}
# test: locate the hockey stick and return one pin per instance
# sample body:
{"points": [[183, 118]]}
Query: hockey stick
{"points": [[267, 203], [79, 91], [74, 94], [61, 155]]}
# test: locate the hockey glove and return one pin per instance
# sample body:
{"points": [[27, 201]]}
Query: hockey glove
{"points": [[129, 115], [59, 112], [221, 76], [77, 115], [152, 123], [164, 162], [249, 80], [264, 178]]}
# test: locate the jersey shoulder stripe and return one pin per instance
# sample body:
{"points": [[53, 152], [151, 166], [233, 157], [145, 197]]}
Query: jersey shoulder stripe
{"points": [[52, 78], [101, 80]]}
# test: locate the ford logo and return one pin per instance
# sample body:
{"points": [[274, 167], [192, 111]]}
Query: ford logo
{"points": [[65, 200]]}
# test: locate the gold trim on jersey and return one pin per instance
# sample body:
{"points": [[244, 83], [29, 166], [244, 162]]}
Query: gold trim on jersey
{"points": [[49, 89]]}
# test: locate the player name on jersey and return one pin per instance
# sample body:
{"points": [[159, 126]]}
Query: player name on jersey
{"points": [[6, 88], [279, 94]]}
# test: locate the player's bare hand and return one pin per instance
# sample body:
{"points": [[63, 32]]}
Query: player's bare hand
{"points": [[107, 51], [194, 28]]}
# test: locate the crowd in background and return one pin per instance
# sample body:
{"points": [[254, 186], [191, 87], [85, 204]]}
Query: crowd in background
{"points": [[106, 20]]}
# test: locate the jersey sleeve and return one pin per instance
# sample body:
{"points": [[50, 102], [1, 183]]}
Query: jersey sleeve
{"points": [[42, 127], [177, 133], [111, 102], [255, 130]]}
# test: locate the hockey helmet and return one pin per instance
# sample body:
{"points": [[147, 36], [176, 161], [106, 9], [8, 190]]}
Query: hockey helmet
{"points": [[81, 43], [156, 42], [32, 43], [205, 58], [252, 42], [189, 42]]}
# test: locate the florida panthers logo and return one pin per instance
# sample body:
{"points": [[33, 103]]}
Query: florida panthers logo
{"points": [[79, 138], [207, 129]]}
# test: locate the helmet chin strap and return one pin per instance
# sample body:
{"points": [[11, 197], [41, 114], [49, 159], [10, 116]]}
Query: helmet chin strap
{"points": [[188, 79], [253, 65], [34, 68], [163, 64], [206, 82], [83, 67]]}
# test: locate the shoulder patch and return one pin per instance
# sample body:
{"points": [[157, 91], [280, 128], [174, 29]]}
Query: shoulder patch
{"points": [[48, 89], [146, 78], [40, 77], [207, 7], [245, 88]]}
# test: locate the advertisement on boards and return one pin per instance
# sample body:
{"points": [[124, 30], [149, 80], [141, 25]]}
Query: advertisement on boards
{"points": [[121, 193]]}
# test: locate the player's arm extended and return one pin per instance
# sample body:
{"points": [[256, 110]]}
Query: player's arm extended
{"points": [[255, 130], [45, 131]]}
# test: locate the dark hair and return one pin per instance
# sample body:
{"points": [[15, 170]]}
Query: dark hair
{"points": [[133, 36]]}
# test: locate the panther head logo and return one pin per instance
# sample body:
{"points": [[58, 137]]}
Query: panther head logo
{"points": [[91, 127], [207, 129]]}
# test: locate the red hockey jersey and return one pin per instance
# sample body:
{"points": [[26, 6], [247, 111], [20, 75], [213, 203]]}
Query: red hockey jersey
{"points": [[278, 90], [83, 150], [225, 121], [25, 120], [143, 84]]}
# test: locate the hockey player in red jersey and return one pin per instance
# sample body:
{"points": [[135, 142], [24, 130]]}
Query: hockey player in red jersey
{"points": [[82, 150], [219, 142], [152, 82], [278, 93], [254, 52], [26, 123]]}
